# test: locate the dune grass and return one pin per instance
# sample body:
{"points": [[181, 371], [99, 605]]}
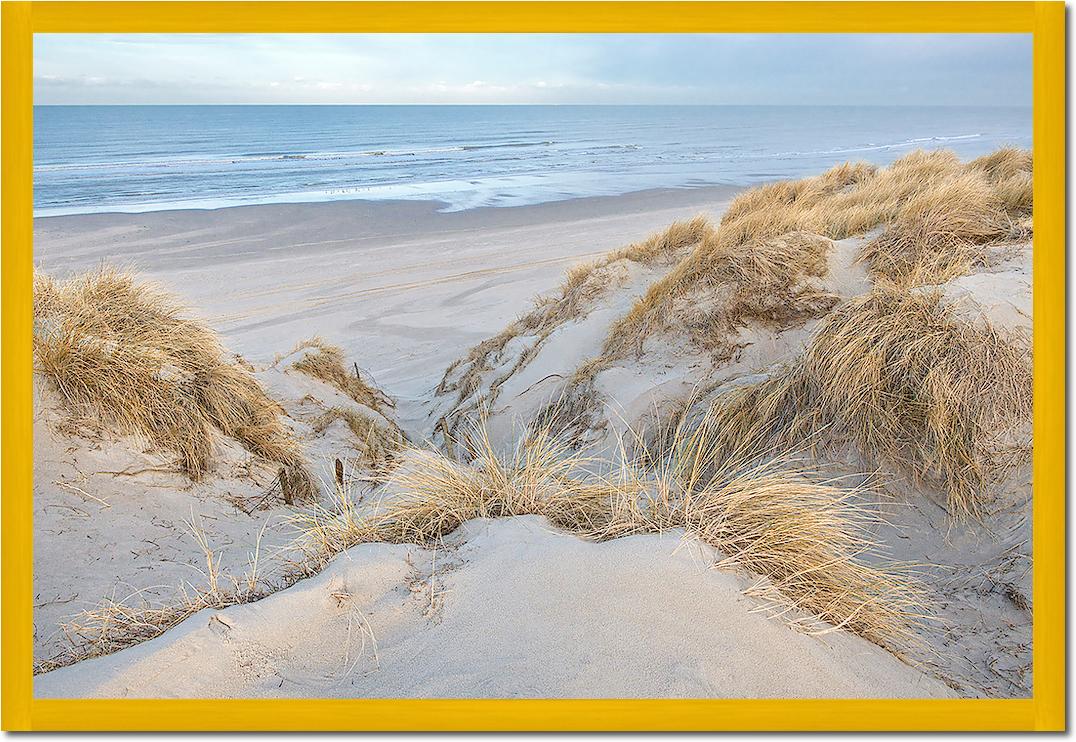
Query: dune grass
{"points": [[803, 536], [938, 217], [939, 233], [323, 361], [914, 388], [935, 219], [376, 440], [123, 353], [772, 283], [767, 282]]}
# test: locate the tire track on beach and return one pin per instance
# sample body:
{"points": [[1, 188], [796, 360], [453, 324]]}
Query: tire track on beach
{"points": [[316, 302], [313, 284], [448, 238]]}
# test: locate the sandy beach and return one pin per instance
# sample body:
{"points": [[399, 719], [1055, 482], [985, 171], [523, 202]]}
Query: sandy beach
{"points": [[458, 467], [401, 287]]}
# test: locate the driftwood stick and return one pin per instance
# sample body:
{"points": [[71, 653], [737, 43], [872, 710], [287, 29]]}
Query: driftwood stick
{"points": [[285, 486], [443, 425], [136, 472], [340, 475]]}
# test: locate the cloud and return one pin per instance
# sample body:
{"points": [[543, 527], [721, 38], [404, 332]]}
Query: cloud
{"points": [[851, 69]]}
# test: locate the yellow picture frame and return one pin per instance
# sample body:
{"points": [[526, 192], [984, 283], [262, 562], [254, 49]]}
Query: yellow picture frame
{"points": [[1045, 710]]}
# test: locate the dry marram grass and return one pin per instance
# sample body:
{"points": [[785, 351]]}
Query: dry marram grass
{"points": [[123, 352], [910, 385], [803, 536], [939, 233], [326, 362]]}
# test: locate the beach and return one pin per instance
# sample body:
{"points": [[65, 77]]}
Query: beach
{"points": [[448, 367], [404, 288], [426, 452]]}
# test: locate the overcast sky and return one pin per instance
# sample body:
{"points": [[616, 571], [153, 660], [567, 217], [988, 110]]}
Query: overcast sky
{"points": [[861, 69]]}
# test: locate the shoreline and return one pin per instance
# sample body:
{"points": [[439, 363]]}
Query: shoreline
{"points": [[444, 206], [667, 196]]}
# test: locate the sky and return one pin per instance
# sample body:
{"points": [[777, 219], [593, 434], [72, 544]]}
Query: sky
{"points": [[728, 69]]}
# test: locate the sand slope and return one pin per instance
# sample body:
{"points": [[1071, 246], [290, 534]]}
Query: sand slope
{"points": [[977, 575], [113, 520], [532, 373], [508, 608]]}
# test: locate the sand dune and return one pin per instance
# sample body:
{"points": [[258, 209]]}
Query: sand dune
{"points": [[716, 342], [507, 608]]}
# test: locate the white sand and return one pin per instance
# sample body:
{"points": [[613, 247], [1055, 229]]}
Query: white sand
{"points": [[519, 610]]}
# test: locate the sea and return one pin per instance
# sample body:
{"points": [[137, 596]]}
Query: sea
{"points": [[90, 159]]}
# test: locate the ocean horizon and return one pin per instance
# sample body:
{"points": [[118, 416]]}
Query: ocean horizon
{"points": [[92, 159]]}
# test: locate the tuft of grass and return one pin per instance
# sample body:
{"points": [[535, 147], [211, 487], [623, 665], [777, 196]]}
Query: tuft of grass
{"points": [[490, 487], [326, 362], [913, 387], [664, 246], [805, 537], [940, 233], [123, 353], [1004, 163], [378, 442], [114, 624]]}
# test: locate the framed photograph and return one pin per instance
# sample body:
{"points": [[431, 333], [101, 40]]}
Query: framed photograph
{"points": [[533, 366]]}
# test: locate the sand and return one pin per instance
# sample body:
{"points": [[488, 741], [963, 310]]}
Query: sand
{"points": [[508, 608], [505, 608], [401, 287]]}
